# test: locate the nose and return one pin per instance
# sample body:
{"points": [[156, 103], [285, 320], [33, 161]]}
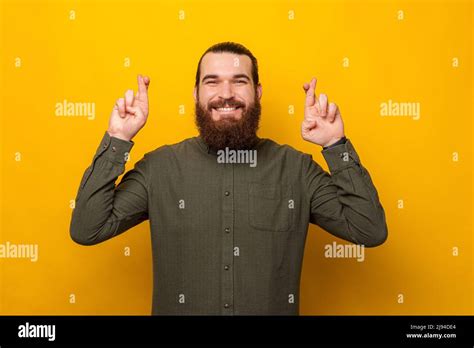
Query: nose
{"points": [[226, 91]]}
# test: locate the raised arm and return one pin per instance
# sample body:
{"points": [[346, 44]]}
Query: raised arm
{"points": [[104, 210], [345, 203]]}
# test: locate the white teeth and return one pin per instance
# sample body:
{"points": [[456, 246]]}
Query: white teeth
{"points": [[225, 109]]}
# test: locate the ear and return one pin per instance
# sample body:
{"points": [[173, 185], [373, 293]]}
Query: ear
{"points": [[195, 94], [259, 91]]}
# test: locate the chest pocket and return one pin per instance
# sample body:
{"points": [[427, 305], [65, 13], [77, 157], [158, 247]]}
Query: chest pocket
{"points": [[270, 207]]}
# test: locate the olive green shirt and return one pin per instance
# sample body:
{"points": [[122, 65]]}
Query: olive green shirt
{"points": [[227, 238]]}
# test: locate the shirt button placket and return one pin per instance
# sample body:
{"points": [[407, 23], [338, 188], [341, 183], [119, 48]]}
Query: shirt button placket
{"points": [[227, 241]]}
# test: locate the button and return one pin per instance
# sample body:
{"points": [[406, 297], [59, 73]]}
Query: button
{"points": [[227, 193], [226, 305], [105, 146], [226, 267], [227, 229], [114, 148]]}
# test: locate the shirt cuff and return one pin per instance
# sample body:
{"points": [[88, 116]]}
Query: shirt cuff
{"points": [[340, 156], [340, 141], [114, 149]]}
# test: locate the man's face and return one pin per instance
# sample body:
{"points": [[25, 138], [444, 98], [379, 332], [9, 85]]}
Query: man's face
{"points": [[227, 101]]}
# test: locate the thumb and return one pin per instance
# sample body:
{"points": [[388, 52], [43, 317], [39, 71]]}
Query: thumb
{"points": [[135, 110]]}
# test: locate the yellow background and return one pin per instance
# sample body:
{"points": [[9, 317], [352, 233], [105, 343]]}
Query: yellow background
{"points": [[82, 60]]}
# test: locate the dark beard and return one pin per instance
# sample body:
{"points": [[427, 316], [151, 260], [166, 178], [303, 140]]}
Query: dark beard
{"points": [[234, 134]]}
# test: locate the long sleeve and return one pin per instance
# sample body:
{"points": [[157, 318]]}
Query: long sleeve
{"points": [[103, 210], [345, 203]]}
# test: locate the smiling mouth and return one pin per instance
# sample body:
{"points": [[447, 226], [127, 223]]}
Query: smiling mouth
{"points": [[227, 109]]}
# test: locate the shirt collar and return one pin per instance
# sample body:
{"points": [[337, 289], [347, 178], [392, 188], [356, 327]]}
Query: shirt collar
{"points": [[209, 150]]}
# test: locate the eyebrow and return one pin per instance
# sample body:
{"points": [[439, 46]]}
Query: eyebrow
{"points": [[237, 76]]}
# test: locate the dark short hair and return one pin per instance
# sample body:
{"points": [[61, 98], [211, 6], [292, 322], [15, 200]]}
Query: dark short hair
{"points": [[230, 47]]}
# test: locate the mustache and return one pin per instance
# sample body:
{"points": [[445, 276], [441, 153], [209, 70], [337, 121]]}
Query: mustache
{"points": [[228, 103]]}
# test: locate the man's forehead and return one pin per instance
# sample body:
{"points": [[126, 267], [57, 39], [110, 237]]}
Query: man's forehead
{"points": [[225, 63]]}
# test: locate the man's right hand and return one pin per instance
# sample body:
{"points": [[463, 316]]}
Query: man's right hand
{"points": [[129, 114]]}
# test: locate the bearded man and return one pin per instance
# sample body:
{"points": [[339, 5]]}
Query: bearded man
{"points": [[227, 237]]}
